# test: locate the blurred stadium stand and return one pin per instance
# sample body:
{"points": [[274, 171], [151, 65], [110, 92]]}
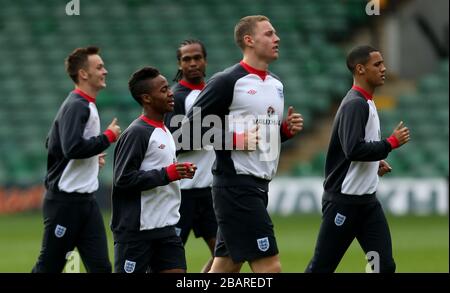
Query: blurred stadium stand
{"points": [[36, 36]]}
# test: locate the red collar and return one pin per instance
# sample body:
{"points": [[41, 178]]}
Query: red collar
{"points": [[192, 86], [363, 92], [158, 124], [260, 73], [84, 95]]}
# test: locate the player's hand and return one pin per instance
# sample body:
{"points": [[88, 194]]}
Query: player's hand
{"points": [[294, 121], [186, 170], [191, 169], [101, 160], [179, 171], [251, 139], [247, 140], [115, 128], [401, 132], [384, 168]]}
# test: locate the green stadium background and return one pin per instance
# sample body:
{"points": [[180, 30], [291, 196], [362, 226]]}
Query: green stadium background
{"points": [[36, 36]]}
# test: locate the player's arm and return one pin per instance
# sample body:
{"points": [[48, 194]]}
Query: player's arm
{"points": [[128, 156], [215, 99], [71, 128], [352, 123]]}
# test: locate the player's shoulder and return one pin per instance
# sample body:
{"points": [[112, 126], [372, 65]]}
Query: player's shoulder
{"points": [[180, 92], [230, 74], [136, 136], [138, 128], [353, 100], [74, 105], [179, 88], [75, 97], [76, 100], [274, 79], [274, 76]]}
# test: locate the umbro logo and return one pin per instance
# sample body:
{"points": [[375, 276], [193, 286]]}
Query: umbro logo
{"points": [[251, 92], [162, 146]]}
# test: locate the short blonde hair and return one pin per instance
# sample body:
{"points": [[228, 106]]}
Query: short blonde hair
{"points": [[246, 26]]}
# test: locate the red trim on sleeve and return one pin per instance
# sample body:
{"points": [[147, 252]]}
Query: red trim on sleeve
{"points": [[192, 86], [260, 73], [363, 92], [285, 129], [393, 141], [84, 95], [154, 123], [110, 135]]}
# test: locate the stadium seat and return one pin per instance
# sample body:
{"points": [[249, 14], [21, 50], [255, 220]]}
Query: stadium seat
{"points": [[135, 33]]}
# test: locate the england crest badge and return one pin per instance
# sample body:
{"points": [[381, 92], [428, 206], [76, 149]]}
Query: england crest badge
{"points": [[263, 243], [339, 219], [129, 266], [60, 231]]}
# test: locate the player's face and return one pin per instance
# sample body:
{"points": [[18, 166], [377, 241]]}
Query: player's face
{"points": [[192, 63], [96, 72], [266, 41], [161, 96], [375, 70]]}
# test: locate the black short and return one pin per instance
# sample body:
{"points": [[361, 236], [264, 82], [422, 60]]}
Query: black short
{"points": [[341, 224], [245, 229], [197, 213], [72, 221], [153, 255]]}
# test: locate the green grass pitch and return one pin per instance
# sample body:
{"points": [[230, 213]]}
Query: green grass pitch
{"points": [[420, 244]]}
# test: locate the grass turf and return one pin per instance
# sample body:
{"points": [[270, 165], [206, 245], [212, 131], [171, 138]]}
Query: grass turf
{"points": [[420, 244]]}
